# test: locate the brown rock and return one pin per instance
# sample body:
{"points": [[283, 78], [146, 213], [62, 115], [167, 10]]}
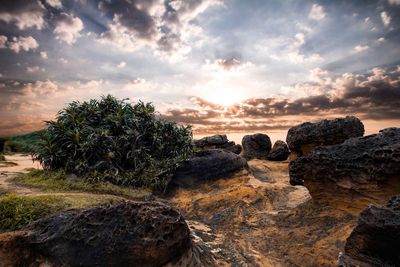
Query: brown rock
{"points": [[256, 146]]}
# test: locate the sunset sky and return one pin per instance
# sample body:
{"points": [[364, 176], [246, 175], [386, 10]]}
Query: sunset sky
{"points": [[221, 66]]}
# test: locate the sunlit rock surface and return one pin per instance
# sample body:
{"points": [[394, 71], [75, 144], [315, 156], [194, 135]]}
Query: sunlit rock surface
{"points": [[259, 219], [307, 136], [375, 241]]}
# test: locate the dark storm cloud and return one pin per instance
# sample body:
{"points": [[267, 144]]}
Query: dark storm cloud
{"points": [[376, 96]]}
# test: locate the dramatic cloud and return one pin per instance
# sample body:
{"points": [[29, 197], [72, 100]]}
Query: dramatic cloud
{"points": [[121, 65], [43, 54], [68, 28], [163, 26], [54, 3], [24, 14], [22, 43], [317, 12], [3, 41], [374, 95], [394, 2], [360, 48]]}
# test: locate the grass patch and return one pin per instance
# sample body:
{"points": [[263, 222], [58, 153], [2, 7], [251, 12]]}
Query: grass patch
{"points": [[18, 211], [2, 192], [58, 181]]}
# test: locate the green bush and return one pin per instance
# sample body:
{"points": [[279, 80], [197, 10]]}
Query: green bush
{"points": [[112, 140], [18, 211]]}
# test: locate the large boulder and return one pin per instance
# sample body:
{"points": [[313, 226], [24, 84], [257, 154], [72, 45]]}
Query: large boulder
{"points": [[280, 151], [375, 241], [127, 234], [218, 141], [208, 165], [352, 164], [354, 174], [305, 137], [256, 146]]}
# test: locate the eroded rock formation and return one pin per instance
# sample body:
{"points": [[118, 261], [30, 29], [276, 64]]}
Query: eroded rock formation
{"points": [[368, 166], [305, 137], [375, 241], [219, 141], [279, 152], [208, 165], [256, 146], [127, 234]]}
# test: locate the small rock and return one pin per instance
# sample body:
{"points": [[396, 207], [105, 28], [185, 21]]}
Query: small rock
{"points": [[279, 152], [218, 141], [256, 146]]}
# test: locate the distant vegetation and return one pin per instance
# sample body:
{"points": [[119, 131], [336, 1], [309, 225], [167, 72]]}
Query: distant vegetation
{"points": [[113, 141], [20, 143]]}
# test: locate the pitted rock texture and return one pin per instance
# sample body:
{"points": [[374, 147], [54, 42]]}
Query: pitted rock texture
{"points": [[208, 165], [354, 164], [279, 152], [218, 141], [375, 241], [256, 146], [127, 234], [305, 137]]}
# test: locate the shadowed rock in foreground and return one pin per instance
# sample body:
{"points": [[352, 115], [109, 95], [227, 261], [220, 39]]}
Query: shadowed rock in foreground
{"points": [[256, 146], [208, 165], [305, 137], [128, 234], [279, 152], [218, 141], [375, 241]]}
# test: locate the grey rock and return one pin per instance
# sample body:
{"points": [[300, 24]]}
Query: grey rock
{"points": [[279, 152], [256, 146], [375, 241], [305, 137], [208, 165], [218, 141]]}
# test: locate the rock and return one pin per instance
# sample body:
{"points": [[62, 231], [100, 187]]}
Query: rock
{"points": [[127, 234], [208, 165], [361, 170], [375, 241], [256, 146], [280, 151], [357, 161], [218, 141], [305, 137]]}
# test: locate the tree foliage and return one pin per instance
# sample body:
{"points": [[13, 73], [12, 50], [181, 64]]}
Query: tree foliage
{"points": [[112, 140]]}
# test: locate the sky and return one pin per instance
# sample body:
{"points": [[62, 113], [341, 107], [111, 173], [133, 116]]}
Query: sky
{"points": [[222, 66]]}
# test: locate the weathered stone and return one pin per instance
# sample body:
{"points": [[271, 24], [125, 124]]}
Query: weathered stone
{"points": [[353, 163], [214, 140], [219, 141], [354, 174], [375, 241], [305, 137], [127, 234], [280, 151], [256, 146], [208, 165]]}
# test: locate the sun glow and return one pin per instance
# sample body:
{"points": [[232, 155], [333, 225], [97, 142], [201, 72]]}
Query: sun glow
{"points": [[225, 96]]}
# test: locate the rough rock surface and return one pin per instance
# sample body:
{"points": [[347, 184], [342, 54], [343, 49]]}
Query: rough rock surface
{"points": [[256, 146], [305, 137], [127, 234], [375, 241], [208, 165], [360, 171], [353, 163], [279, 152], [218, 141]]}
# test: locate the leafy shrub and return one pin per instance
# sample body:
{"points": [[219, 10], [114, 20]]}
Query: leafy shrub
{"points": [[18, 211], [112, 140]]}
